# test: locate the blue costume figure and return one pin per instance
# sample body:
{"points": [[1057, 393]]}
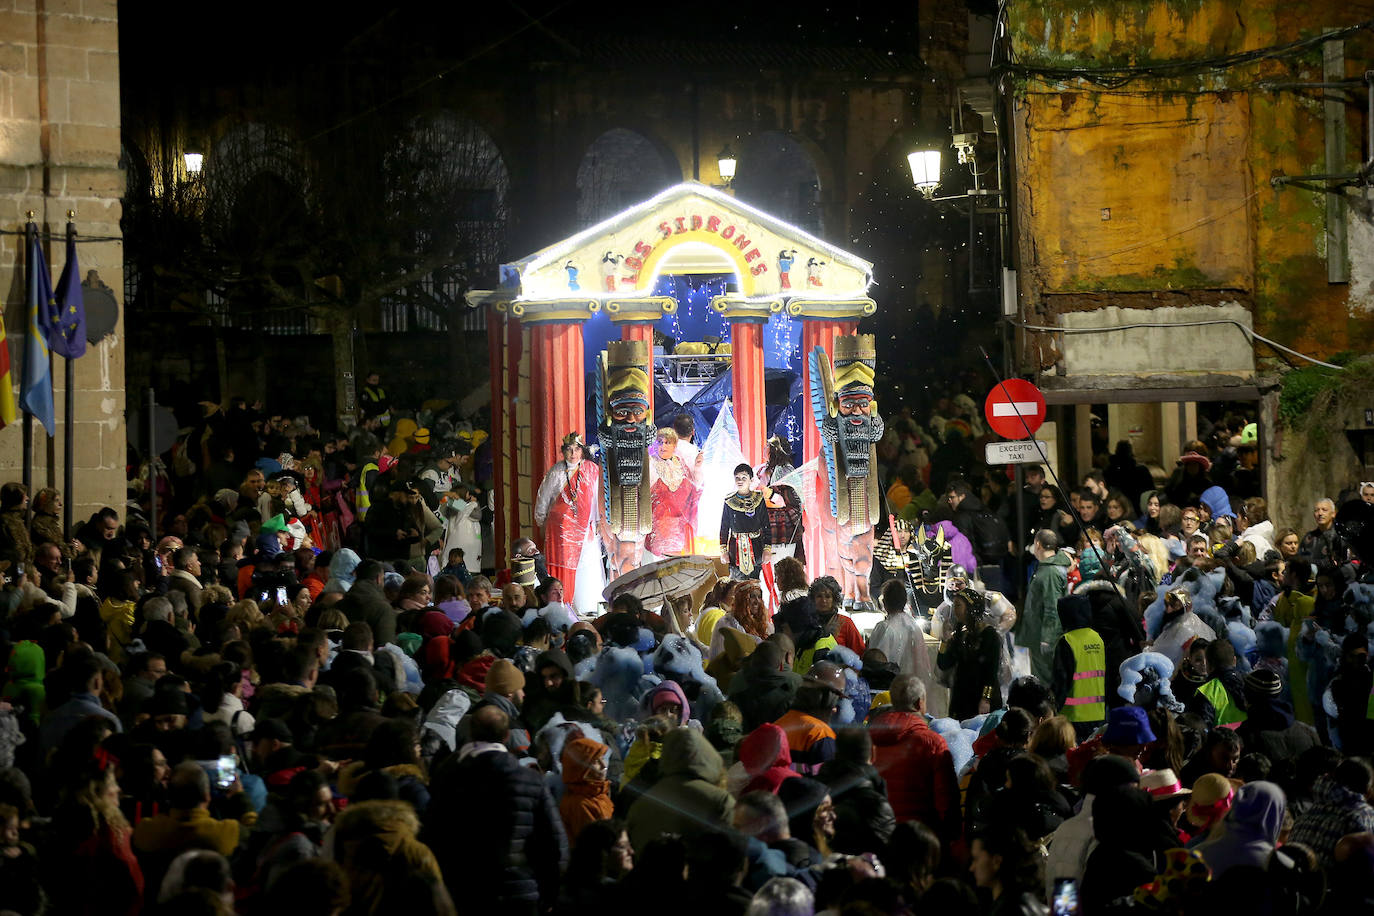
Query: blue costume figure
{"points": [[572, 276], [785, 259]]}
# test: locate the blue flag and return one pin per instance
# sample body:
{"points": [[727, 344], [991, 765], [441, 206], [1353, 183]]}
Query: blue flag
{"points": [[67, 336], [36, 391]]}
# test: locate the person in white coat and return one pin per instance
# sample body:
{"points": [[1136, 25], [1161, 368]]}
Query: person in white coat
{"points": [[462, 515], [1255, 527]]}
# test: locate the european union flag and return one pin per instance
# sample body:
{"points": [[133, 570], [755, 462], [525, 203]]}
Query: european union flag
{"points": [[36, 392], [67, 336]]}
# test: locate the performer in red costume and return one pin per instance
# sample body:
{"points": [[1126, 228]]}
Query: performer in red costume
{"points": [[568, 500], [675, 496]]}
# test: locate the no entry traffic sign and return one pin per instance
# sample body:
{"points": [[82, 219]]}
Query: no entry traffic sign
{"points": [[1015, 409]]}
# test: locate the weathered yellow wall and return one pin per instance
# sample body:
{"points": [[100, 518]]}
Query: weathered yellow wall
{"points": [[1131, 193], [1185, 165]]}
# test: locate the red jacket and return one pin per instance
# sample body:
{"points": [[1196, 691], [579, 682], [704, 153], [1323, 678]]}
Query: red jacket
{"points": [[847, 633], [921, 783], [766, 757]]}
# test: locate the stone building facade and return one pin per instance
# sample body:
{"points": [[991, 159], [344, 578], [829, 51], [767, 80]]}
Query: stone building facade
{"points": [[60, 152]]}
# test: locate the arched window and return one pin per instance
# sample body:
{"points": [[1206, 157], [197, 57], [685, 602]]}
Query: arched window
{"points": [[447, 188], [619, 169]]}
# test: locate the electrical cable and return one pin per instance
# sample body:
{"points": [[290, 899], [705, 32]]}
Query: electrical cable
{"points": [[1046, 463], [1120, 76], [62, 236], [1197, 225], [1247, 331]]}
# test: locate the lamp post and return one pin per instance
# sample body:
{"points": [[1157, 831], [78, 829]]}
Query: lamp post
{"points": [[194, 162], [925, 171], [725, 161]]}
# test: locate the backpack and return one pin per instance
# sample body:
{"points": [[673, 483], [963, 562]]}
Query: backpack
{"points": [[990, 536]]}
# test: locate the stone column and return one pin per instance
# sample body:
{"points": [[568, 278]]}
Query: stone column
{"points": [[822, 321]]}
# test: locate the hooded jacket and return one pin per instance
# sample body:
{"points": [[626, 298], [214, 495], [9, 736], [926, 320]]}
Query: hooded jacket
{"points": [[436, 660], [1124, 857], [919, 770], [1217, 502], [674, 693], [1075, 613], [1249, 830], [767, 759], [688, 797], [25, 686], [1120, 628], [762, 696], [118, 617], [341, 570], [738, 646], [864, 819], [1038, 628], [541, 704], [367, 602], [960, 547], [376, 843], [515, 847], [586, 799], [1261, 534]]}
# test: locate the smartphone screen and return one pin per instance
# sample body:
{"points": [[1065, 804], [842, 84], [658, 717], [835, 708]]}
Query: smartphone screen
{"points": [[228, 771], [1065, 899], [281, 594], [222, 772]]}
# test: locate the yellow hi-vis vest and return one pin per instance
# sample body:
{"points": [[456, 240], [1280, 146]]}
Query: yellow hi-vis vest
{"points": [[364, 497], [1228, 713], [1087, 702]]}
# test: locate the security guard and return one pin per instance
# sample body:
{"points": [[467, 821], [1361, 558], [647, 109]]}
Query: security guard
{"points": [[1080, 667], [373, 398]]}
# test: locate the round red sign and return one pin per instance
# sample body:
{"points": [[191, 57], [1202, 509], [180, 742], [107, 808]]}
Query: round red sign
{"points": [[1015, 409]]}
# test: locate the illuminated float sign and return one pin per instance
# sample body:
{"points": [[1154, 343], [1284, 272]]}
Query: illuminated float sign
{"points": [[692, 229], [680, 225]]}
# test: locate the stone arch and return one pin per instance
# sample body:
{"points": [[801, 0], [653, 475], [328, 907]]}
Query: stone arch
{"points": [[241, 161], [621, 167], [781, 174], [446, 178]]}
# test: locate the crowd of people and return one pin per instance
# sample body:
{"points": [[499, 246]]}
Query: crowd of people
{"points": [[309, 693]]}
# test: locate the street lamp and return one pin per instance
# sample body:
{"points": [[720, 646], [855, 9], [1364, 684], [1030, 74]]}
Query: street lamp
{"points": [[925, 171], [725, 160], [194, 162]]}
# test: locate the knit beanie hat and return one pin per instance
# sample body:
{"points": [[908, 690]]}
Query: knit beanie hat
{"points": [[504, 678], [1263, 682]]}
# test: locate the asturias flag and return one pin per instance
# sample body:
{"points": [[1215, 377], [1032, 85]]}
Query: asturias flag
{"points": [[67, 336], [36, 392]]}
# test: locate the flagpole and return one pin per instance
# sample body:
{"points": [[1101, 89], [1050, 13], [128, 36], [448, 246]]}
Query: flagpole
{"points": [[68, 418], [31, 235]]}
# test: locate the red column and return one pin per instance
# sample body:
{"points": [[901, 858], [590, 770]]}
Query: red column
{"points": [[821, 556], [558, 389], [502, 419], [746, 370], [641, 330]]}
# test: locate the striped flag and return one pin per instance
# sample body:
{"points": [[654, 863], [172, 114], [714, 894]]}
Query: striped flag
{"points": [[8, 411]]}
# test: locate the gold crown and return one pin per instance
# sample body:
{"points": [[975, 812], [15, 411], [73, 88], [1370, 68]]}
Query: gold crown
{"points": [[851, 347], [622, 354]]}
